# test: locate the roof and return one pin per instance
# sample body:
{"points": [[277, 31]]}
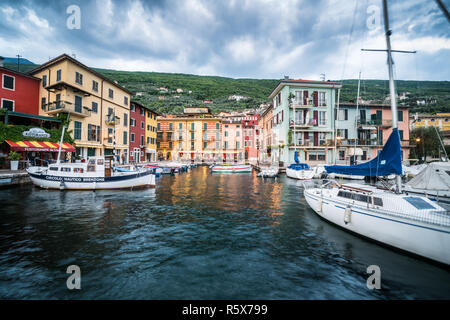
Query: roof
{"points": [[267, 110], [379, 105], [20, 73], [65, 56], [305, 83], [145, 107]]}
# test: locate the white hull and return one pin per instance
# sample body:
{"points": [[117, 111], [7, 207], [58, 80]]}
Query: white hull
{"points": [[430, 241], [435, 195], [300, 174], [344, 176], [232, 169], [98, 183]]}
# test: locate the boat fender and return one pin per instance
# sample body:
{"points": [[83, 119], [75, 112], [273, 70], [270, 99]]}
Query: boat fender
{"points": [[320, 206], [347, 214], [61, 186]]}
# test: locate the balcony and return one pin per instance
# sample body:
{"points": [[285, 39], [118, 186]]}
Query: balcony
{"points": [[374, 123], [111, 120], [300, 104], [67, 107], [303, 124]]}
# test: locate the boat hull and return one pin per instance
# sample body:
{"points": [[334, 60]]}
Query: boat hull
{"points": [[432, 242], [232, 169], [138, 180], [300, 174]]}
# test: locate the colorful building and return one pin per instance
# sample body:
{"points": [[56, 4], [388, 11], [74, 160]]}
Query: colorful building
{"points": [[150, 134], [303, 116], [362, 133], [99, 107], [439, 120], [194, 135], [137, 132], [250, 131], [19, 92], [232, 140], [265, 125]]}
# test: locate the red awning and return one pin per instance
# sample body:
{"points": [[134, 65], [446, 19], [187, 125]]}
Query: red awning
{"points": [[39, 146]]}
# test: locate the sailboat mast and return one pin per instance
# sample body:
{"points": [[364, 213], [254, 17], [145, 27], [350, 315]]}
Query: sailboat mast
{"points": [[356, 117], [391, 79]]}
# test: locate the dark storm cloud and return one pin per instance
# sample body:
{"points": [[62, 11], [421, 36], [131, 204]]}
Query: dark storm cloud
{"points": [[262, 39]]}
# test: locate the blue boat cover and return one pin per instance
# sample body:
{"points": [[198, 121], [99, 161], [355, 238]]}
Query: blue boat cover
{"points": [[299, 166], [296, 157], [388, 161]]}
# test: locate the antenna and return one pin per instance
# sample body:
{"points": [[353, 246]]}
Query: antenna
{"points": [[322, 76], [74, 55], [18, 62]]}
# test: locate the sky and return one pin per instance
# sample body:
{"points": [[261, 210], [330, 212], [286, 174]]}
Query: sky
{"points": [[261, 39]]}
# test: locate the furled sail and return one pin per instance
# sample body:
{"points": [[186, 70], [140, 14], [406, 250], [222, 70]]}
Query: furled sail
{"points": [[388, 161]]}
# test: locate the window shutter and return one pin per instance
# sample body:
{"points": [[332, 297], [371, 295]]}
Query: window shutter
{"points": [[305, 97], [316, 98], [282, 115], [315, 116]]}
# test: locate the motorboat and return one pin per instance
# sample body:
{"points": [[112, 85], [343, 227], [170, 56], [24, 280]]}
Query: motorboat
{"points": [[231, 168], [300, 171], [269, 172], [96, 173]]}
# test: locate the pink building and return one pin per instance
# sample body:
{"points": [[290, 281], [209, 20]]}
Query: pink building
{"points": [[232, 140], [383, 115], [251, 138]]}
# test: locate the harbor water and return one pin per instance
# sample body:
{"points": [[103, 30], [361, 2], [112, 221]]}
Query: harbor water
{"points": [[197, 235]]}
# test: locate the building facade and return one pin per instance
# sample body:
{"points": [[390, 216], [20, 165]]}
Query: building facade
{"points": [[150, 135], [99, 108], [19, 92], [303, 118], [265, 125], [137, 132], [439, 120], [251, 137]]}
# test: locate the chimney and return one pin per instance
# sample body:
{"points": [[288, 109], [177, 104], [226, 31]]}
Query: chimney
{"points": [[1, 61], [286, 77]]}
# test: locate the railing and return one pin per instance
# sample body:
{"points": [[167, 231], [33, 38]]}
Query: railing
{"points": [[69, 107], [311, 122], [375, 122], [112, 120], [359, 142]]}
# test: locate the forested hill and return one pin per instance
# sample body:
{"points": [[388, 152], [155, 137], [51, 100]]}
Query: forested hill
{"points": [[159, 91]]}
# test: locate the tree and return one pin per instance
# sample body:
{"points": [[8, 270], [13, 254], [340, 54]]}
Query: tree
{"points": [[427, 143]]}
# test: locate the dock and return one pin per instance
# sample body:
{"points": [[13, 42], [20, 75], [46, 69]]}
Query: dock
{"points": [[10, 178]]}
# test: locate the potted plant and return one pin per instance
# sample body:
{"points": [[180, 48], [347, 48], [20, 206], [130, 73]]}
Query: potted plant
{"points": [[14, 158]]}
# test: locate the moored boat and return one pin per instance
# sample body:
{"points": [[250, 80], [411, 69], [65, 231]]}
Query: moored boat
{"points": [[231, 168], [300, 171], [95, 174]]}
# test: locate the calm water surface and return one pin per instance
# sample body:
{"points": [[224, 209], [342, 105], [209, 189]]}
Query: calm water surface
{"points": [[196, 236]]}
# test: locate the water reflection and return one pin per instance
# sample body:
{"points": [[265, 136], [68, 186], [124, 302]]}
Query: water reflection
{"points": [[196, 236]]}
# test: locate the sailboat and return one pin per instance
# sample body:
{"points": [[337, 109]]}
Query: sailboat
{"points": [[298, 170], [414, 224]]}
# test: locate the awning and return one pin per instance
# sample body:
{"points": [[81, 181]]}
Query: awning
{"points": [[39, 146]]}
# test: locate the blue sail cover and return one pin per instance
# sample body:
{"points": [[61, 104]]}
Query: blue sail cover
{"points": [[388, 161], [296, 157], [299, 166]]}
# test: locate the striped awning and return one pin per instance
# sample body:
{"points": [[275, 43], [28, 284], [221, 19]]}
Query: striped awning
{"points": [[40, 146]]}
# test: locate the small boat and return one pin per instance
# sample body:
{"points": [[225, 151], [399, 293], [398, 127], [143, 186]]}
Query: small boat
{"points": [[96, 174], [433, 182], [231, 168], [299, 170], [269, 172]]}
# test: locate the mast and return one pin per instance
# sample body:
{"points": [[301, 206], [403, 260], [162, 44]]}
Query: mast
{"points": [[336, 126], [391, 81], [356, 117]]}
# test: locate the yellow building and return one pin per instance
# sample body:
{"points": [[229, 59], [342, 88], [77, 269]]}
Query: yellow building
{"points": [[150, 134], [195, 135], [99, 108], [440, 120]]}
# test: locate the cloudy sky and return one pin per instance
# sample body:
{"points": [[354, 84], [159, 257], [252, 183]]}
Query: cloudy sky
{"points": [[233, 38]]}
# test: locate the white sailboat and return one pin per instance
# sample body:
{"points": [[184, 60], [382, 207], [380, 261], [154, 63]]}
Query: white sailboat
{"points": [[300, 171], [411, 223]]}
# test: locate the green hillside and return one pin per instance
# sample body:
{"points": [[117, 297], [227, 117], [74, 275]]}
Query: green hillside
{"points": [[434, 94]]}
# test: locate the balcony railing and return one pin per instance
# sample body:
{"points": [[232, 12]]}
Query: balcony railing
{"points": [[67, 107], [375, 122], [298, 123], [111, 120]]}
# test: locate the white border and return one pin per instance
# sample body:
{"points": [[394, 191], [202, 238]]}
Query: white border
{"points": [[13, 101]]}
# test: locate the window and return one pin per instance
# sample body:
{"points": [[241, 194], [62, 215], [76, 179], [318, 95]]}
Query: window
{"points": [[111, 93], [132, 122], [401, 134], [217, 126], [142, 111], [192, 145], [8, 82], [322, 118], [78, 104], [110, 135], [125, 119], [77, 130], [8, 104], [142, 125], [322, 101], [170, 144], [217, 145], [400, 116], [58, 75], [93, 133], [78, 78], [237, 145], [238, 133], [94, 107], [204, 145], [298, 97], [43, 103], [132, 137], [226, 133], [192, 135], [125, 101], [142, 140], [159, 126], [170, 126], [125, 137], [44, 80], [180, 126], [226, 145], [322, 138], [94, 86], [133, 108], [205, 126], [148, 140], [343, 114], [342, 133], [192, 126]]}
